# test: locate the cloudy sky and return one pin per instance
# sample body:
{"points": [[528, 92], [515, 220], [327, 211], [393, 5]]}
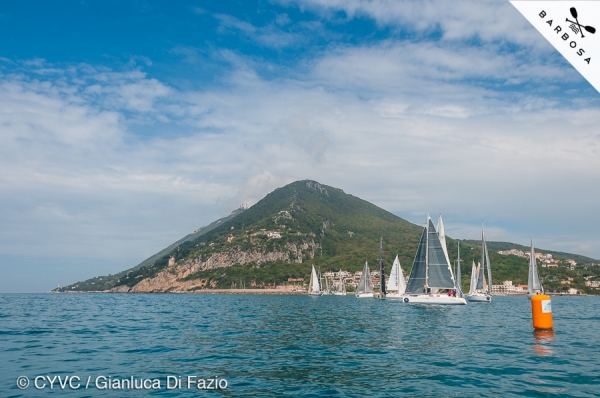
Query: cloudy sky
{"points": [[126, 125]]}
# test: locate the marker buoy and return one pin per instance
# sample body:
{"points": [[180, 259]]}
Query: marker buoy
{"points": [[541, 312]]}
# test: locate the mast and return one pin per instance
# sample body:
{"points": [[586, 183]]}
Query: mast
{"points": [[458, 277], [381, 270], [319, 278], [427, 256]]}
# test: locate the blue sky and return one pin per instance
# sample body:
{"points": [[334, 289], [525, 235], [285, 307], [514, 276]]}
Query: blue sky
{"points": [[126, 125]]}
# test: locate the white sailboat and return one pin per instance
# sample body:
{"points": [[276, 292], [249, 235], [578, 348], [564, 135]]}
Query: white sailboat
{"points": [[365, 285], [480, 290], [314, 286], [341, 289], [396, 286], [431, 280], [533, 280]]}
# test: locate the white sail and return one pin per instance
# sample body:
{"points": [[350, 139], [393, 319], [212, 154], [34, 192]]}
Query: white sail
{"points": [[341, 284], [392, 282], [484, 248], [533, 281], [473, 285], [442, 237]]}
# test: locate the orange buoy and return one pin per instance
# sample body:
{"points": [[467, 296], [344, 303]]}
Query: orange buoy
{"points": [[541, 312]]}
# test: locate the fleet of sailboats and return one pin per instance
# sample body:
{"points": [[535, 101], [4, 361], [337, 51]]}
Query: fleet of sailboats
{"points": [[533, 280], [431, 279], [481, 290]]}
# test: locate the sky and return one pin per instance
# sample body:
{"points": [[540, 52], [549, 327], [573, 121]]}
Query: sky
{"points": [[127, 125]]}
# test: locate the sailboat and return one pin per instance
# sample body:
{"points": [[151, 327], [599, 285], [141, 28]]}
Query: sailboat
{"points": [[365, 286], [396, 286], [533, 281], [480, 291], [341, 289], [431, 280], [314, 286]]}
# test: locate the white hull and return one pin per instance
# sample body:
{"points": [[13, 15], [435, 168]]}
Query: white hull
{"points": [[364, 295], [479, 298], [440, 299], [315, 294], [339, 293], [394, 296]]}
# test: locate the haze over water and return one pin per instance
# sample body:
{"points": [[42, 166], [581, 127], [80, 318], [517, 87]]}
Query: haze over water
{"points": [[267, 345]]}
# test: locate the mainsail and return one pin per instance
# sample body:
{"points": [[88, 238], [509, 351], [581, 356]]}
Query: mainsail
{"points": [[341, 284], [431, 268], [366, 284], [439, 274], [418, 272]]}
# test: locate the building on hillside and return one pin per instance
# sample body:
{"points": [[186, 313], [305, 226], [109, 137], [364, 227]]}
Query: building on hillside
{"points": [[507, 288]]}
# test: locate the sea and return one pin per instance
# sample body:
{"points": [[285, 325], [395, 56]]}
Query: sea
{"points": [[172, 345]]}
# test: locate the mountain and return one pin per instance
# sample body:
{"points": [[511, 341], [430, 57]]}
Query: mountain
{"points": [[280, 237]]}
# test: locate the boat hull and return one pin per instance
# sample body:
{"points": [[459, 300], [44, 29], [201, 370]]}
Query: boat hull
{"points": [[438, 299], [315, 294], [394, 296], [479, 298], [364, 295], [339, 293]]}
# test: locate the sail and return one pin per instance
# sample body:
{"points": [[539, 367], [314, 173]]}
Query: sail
{"points": [[480, 277], [341, 285], [487, 261], [439, 274], [418, 272], [533, 281], [314, 285], [366, 284], [392, 283], [473, 285], [369, 281], [442, 237], [401, 281]]}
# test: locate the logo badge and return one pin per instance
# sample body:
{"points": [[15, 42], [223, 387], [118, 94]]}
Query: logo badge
{"points": [[570, 26]]}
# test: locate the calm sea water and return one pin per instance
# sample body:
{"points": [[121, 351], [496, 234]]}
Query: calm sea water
{"points": [[265, 345]]}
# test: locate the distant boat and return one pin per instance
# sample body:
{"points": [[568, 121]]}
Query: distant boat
{"points": [[341, 290], [396, 286], [431, 280], [327, 290], [314, 286], [480, 290], [365, 286], [533, 281]]}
